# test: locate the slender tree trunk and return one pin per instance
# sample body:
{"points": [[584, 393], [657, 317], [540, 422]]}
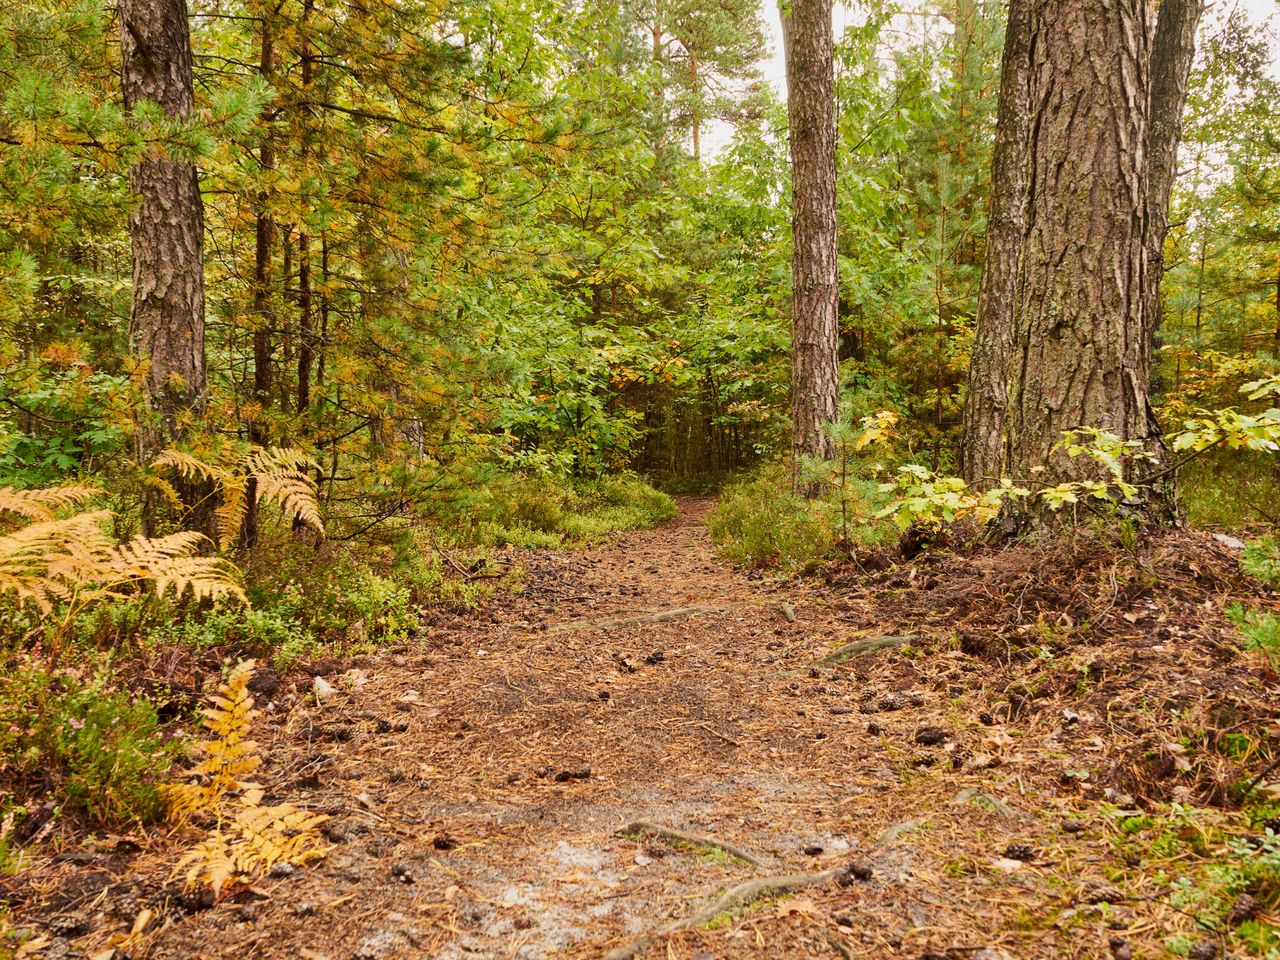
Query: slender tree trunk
{"points": [[1275, 338], [306, 335], [261, 306], [1172, 55], [1081, 335], [982, 445], [815, 332], [697, 106], [166, 231]]}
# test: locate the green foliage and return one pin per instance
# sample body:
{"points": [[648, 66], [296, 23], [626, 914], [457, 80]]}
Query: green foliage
{"points": [[1208, 860], [97, 748], [761, 523], [260, 630], [1261, 559], [545, 510], [1259, 632]]}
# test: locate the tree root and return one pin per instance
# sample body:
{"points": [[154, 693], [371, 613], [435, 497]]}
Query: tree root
{"points": [[743, 893], [661, 616], [848, 652], [652, 829]]}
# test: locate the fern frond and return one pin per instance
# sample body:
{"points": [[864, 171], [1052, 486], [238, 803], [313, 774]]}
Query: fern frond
{"points": [[43, 561], [259, 837], [276, 459], [167, 562], [211, 862], [191, 467], [186, 800], [281, 476], [231, 511], [278, 834], [167, 490], [39, 504]]}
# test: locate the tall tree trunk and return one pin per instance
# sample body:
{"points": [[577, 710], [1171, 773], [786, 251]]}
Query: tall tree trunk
{"points": [[166, 231], [261, 306], [815, 330], [982, 444], [306, 335], [1172, 55], [1081, 336], [697, 105]]}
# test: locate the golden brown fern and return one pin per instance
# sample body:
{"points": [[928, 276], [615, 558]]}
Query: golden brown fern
{"points": [[43, 562], [73, 560], [278, 474], [229, 754], [40, 504], [281, 476], [249, 838]]}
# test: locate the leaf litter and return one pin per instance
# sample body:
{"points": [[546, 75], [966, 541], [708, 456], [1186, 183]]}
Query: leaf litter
{"points": [[945, 786]]}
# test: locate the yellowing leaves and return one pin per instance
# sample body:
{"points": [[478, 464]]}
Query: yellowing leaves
{"points": [[248, 839], [876, 428]]}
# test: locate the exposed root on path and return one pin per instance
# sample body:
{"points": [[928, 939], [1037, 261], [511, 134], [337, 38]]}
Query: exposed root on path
{"points": [[736, 896], [641, 828], [660, 616]]}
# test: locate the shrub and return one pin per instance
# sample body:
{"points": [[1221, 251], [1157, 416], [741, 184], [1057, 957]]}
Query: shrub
{"points": [[95, 747], [760, 522], [1259, 632], [548, 511], [1261, 559]]}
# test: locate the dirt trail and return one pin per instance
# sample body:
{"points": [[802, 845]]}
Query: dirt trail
{"points": [[477, 782]]}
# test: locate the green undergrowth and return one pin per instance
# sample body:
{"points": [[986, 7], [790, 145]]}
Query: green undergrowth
{"points": [[549, 511], [77, 740], [1230, 489], [1259, 628], [1217, 872], [759, 522]]}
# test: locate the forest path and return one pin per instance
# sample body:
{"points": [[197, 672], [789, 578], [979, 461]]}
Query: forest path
{"points": [[477, 781]]}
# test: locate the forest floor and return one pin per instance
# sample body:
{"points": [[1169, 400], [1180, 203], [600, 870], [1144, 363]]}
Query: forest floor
{"points": [[948, 787]]}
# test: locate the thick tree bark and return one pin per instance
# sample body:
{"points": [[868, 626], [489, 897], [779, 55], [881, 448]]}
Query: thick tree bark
{"points": [[166, 229], [815, 333], [982, 444], [1082, 354]]}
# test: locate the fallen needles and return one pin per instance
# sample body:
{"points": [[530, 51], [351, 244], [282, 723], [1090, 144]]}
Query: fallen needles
{"points": [[736, 896], [651, 829]]}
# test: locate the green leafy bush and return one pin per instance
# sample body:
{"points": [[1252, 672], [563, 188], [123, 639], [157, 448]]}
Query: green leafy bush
{"points": [[95, 747], [1259, 632], [548, 510], [257, 629], [760, 522], [1261, 559]]}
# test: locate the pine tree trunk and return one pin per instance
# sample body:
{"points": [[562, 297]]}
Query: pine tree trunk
{"points": [[815, 371], [262, 318], [166, 230], [306, 335], [1172, 55], [1081, 334], [982, 445]]}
